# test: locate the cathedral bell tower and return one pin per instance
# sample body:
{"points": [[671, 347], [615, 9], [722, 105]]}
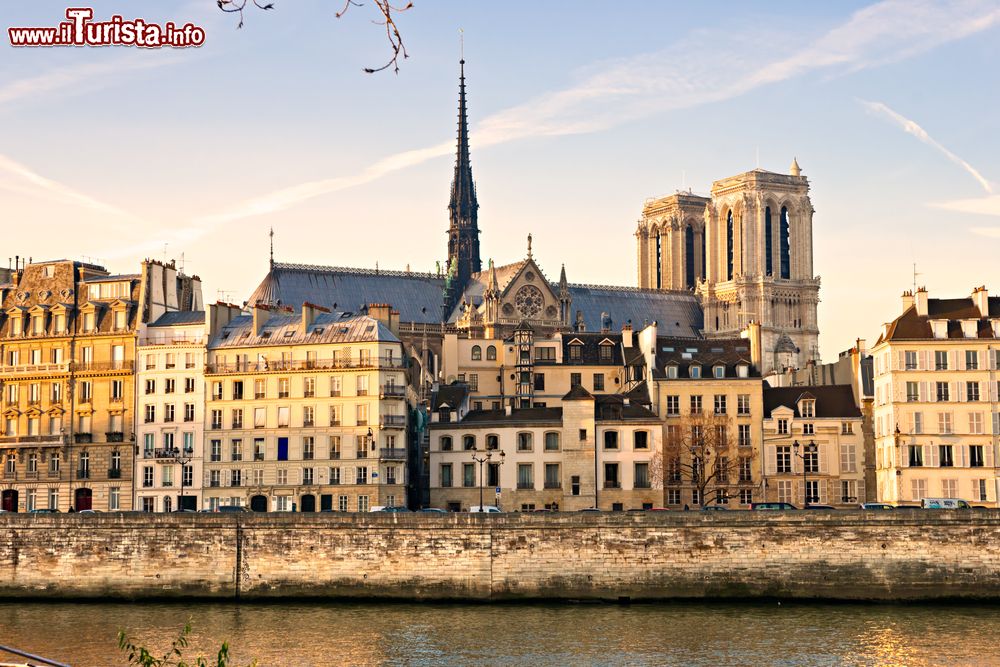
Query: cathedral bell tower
{"points": [[463, 229]]}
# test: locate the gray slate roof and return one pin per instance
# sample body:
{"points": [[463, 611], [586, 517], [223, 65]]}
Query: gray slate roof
{"points": [[675, 313], [286, 329], [180, 318]]}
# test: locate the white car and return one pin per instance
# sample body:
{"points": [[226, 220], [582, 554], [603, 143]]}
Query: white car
{"points": [[485, 509]]}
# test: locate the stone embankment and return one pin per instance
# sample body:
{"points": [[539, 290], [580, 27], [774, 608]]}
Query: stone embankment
{"points": [[833, 555]]}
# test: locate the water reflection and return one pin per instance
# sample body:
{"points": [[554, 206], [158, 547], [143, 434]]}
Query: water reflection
{"points": [[439, 634]]}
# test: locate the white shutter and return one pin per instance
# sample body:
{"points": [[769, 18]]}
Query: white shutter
{"points": [[901, 360], [922, 360], [822, 452], [988, 455], [953, 392], [963, 394], [934, 460], [983, 361], [906, 455], [770, 465], [963, 455], [953, 360], [959, 360]]}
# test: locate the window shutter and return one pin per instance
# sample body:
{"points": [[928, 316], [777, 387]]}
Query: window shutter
{"points": [[906, 455], [953, 391], [901, 360], [953, 359], [963, 394], [924, 391], [935, 459], [922, 360], [770, 462], [983, 361], [824, 466], [988, 456], [959, 360], [963, 455]]}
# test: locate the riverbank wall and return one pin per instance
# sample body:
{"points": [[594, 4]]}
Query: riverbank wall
{"points": [[903, 555]]}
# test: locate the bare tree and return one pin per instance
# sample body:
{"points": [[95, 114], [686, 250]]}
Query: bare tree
{"points": [[698, 453], [386, 18]]}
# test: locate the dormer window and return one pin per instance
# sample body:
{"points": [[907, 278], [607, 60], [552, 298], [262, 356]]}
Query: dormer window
{"points": [[719, 371], [606, 351], [88, 321], [575, 351], [743, 371], [808, 408], [970, 328], [694, 371], [38, 325], [119, 320], [672, 372], [939, 328]]}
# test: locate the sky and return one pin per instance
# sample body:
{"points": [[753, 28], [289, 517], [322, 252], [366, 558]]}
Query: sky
{"points": [[579, 112]]}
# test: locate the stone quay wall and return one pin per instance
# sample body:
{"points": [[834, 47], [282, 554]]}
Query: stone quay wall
{"points": [[831, 555]]}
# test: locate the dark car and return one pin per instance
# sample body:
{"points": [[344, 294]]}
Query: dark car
{"points": [[392, 508], [47, 510], [877, 506], [819, 507], [433, 510], [590, 509], [232, 508], [773, 506], [714, 508]]}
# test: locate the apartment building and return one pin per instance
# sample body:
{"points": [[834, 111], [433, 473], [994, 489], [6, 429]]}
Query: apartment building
{"points": [[814, 446], [937, 416], [170, 389], [306, 411], [68, 335]]}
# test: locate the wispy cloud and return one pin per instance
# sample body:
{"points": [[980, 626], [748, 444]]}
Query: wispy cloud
{"points": [[705, 67], [912, 128]]}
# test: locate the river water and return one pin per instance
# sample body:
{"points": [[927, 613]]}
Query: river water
{"points": [[347, 633]]}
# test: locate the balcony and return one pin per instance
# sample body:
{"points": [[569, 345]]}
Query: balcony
{"points": [[84, 438], [114, 473], [553, 485], [308, 423], [362, 480], [100, 366], [31, 474], [393, 391], [170, 453], [362, 454], [258, 456], [52, 440], [115, 436], [9, 474], [83, 473], [361, 363], [34, 368], [214, 483], [392, 454], [393, 421]]}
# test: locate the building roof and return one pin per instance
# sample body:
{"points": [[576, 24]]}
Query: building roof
{"points": [[516, 415], [286, 329], [180, 318], [590, 345], [832, 401], [612, 407], [675, 313], [578, 393], [911, 326], [451, 395], [686, 352], [106, 279], [417, 296]]}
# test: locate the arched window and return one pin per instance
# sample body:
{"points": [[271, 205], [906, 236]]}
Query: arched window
{"points": [[784, 243], [491, 353], [768, 243], [468, 442], [552, 441], [477, 353], [729, 246], [446, 443], [689, 274], [492, 441]]}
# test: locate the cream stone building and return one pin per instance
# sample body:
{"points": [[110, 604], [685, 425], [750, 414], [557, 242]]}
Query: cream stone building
{"points": [[68, 342], [170, 430], [937, 416], [746, 251], [814, 446], [305, 411]]}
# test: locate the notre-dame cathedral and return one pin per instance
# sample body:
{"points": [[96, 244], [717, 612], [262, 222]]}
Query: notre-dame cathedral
{"points": [[707, 267]]}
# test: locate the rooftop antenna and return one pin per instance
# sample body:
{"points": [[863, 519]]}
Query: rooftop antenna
{"points": [[182, 264], [915, 274], [223, 295], [272, 248], [165, 252]]}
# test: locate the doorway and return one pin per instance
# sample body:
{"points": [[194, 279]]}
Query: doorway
{"points": [[308, 503], [84, 499], [258, 503], [8, 500]]}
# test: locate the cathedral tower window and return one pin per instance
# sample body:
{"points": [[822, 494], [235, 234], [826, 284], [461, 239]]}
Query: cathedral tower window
{"points": [[768, 242], [784, 240], [689, 273], [729, 246]]}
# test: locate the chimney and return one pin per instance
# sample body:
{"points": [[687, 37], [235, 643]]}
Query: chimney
{"points": [[907, 300], [309, 311], [627, 336], [861, 346], [921, 301], [752, 333], [981, 298], [261, 314]]}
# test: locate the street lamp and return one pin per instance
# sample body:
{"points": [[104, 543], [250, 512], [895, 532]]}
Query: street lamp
{"points": [[481, 460], [182, 457], [806, 450]]}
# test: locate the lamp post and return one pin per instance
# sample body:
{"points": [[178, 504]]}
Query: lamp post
{"points": [[806, 450], [182, 457], [488, 456]]}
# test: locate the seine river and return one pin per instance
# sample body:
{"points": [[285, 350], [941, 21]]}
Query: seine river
{"points": [[513, 634]]}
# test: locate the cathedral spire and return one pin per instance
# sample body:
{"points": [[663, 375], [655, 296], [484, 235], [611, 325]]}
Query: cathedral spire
{"points": [[463, 229]]}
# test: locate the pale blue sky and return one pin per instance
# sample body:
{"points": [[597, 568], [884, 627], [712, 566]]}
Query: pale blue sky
{"points": [[580, 111]]}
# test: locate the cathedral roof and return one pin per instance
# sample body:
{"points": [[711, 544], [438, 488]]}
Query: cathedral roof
{"points": [[417, 296]]}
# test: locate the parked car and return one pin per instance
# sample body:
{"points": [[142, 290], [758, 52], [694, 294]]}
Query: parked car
{"points": [[485, 509], [590, 509], [44, 510], [945, 504], [819, 507], [389, 508], [714, 508], [232, 508], [658, 509], [773, 506], [877, 506], [433, 510], [542, 510]]}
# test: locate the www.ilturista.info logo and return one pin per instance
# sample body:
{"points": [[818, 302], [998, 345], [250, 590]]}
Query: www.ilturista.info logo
{"points": [[80, 30]]}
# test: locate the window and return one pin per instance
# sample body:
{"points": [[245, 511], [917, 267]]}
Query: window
{"points": [[606, 353], [743, 404], [808, 408], [216, 391], [640, 440], [720, 404], [361, 385], [910, 360], [672, 371], [979, 486], [784, 459], [474, 381], [746, 496], [673, 496], [237, 450], [745, 471], [719, 372], [446, 480], [916, 456], [912, 392], [917, 422], [147, 476], [972, 391], [446, 444], [390, 477], [976, 459], [611, 480], [942, 391], [598, 381], [54, 460], [976, 423], [694, 371], [235, 478], [551, 441], [150, 413], [539, 381], [342, 503], [611, 440], [362, 503], [552, 476], [583, 434], [848, 460], [477, 353], [808, 429], [696, 405], [284, 414], [307, 475], [260, 388], [468, 474], [945, 456], [169, 412], [940, 360], [944, 423], [114, 499], [673, 405], [575, 351], [308, 416], [784, 491], [491, 353], [575, 379], [117, 390], [468, 442], [362, 414], [309, 387], [545, 354], [150, 386], [362, 474], [641, 476], [949, 488], [743, 435], [525, 476], [971, 360], [188, 385], [524, 442]]}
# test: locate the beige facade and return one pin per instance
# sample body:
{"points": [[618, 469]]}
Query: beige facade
{"points": [[814, 445], [304, 412], [937, 416], [170, 429], [747, 252], [68, 376]]}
